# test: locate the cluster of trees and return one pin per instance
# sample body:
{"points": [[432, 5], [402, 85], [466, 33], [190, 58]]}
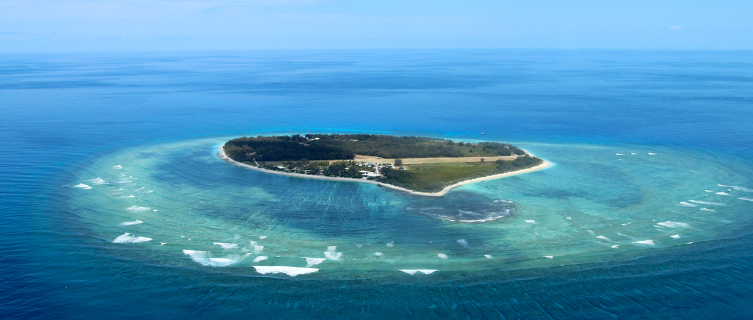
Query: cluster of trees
{"points": [[346, 146], [345, 169], [502, 148], [518, 164], [283, 148]]}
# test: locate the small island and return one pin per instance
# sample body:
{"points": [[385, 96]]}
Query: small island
{"points": [[419, 165]]}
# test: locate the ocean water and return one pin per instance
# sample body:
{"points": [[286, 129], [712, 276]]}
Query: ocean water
{"points": [[114, 203]]}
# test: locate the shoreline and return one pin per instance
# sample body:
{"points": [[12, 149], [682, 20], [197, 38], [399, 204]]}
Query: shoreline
{"points": [[542, 166]]}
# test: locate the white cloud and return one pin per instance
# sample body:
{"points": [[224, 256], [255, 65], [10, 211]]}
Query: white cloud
{"points": [[675, 27]]}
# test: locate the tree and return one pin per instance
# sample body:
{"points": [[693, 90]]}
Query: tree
{"points": [[398, 162]]}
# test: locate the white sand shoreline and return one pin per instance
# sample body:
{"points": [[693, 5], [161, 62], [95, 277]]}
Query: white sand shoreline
{"points": [[542, 166]]}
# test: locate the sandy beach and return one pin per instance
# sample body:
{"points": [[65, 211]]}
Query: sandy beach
{"points": [[542, 166]]}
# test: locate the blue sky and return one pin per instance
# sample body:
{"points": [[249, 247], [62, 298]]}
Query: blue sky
{"points": [[175, 25]]}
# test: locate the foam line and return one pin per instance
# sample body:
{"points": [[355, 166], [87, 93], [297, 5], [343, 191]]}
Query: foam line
{"points": [[138, 209], [648, 242], [530, 221], [463, 243], [310, 262], [118, 167], [442, 256], [97, 181], [260, 258], [130, 223], [673, 224], [708, 203], [414, 271], [745, 199], [737, 188], [226, 245], [82, 186], [204, 258], [604, 238], [128, 238], [685, 204], [291, 271]]}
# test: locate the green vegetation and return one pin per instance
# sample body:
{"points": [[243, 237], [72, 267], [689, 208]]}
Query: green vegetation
{"points": [[332, 156], [346, 146]]}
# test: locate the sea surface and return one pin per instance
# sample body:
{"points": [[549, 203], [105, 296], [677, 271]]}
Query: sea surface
{"points": [[114, 204]]}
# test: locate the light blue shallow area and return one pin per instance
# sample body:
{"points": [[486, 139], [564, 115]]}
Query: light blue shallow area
{"points": [[646, 212]]}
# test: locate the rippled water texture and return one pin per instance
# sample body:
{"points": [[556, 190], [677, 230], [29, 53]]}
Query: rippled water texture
{"points": [[113, 203]]}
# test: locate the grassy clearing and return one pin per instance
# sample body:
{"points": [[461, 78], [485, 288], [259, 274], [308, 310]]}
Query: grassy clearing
{"points": [[435, 176]]}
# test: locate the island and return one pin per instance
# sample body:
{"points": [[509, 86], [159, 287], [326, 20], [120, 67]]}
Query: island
{"points": [[418, 165]]}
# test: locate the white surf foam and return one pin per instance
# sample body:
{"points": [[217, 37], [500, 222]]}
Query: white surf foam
{"points": [[708, 203], [331, 254], [123, 197], [633, 153], [709, 191], [390, 244], [651, 154], [82, 186], [723, 193], [204, 258], [138, 209], [442, 256], [290, 271], [604, 238], [463, 243], [262, 237], [258, 249], [503, 201], [414, 271], [685, 204], [488, 256], [737, 188], [118, 167], [530, 221], [359, 245], [677, 236], [615, 246], [619, 154], [260, 258], [128, 238], [707, 209], [673, 224], [745, 199], [224, 245], [130, 223], [97, 180], [378, 254], [310, 262], [549, 257], [648, 242]]}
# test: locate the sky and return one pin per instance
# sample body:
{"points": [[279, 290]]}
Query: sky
{"points": [[206, 25]]}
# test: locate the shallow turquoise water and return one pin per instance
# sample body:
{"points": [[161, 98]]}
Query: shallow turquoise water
{"points": [[598, 203]]}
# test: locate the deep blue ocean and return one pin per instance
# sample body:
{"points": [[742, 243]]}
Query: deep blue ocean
{"points": [[637, 137]]}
